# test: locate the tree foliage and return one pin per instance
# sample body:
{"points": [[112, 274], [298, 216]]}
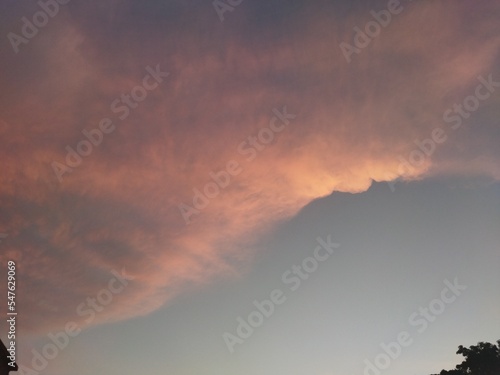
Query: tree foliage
{"points": [[480, 359]]}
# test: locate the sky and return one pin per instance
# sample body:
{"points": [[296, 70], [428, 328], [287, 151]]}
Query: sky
{"points": [[300, 187]]}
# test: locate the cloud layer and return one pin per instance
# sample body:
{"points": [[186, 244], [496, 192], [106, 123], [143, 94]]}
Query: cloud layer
{"points": [[119, 209]]}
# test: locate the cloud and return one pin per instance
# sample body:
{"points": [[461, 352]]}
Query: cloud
{"points": [[120, 208]]}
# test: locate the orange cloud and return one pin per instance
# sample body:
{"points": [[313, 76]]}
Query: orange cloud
{"points": [[120, 208]]}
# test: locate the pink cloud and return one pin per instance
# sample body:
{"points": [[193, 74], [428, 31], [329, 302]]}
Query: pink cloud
{"points": [[119, 209]]}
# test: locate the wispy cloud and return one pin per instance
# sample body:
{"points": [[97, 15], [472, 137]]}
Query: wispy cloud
{"points": [[120, 207]]}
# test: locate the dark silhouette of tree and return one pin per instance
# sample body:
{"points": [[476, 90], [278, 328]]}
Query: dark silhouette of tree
{"points": [[480, 359], [5, 366]]}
